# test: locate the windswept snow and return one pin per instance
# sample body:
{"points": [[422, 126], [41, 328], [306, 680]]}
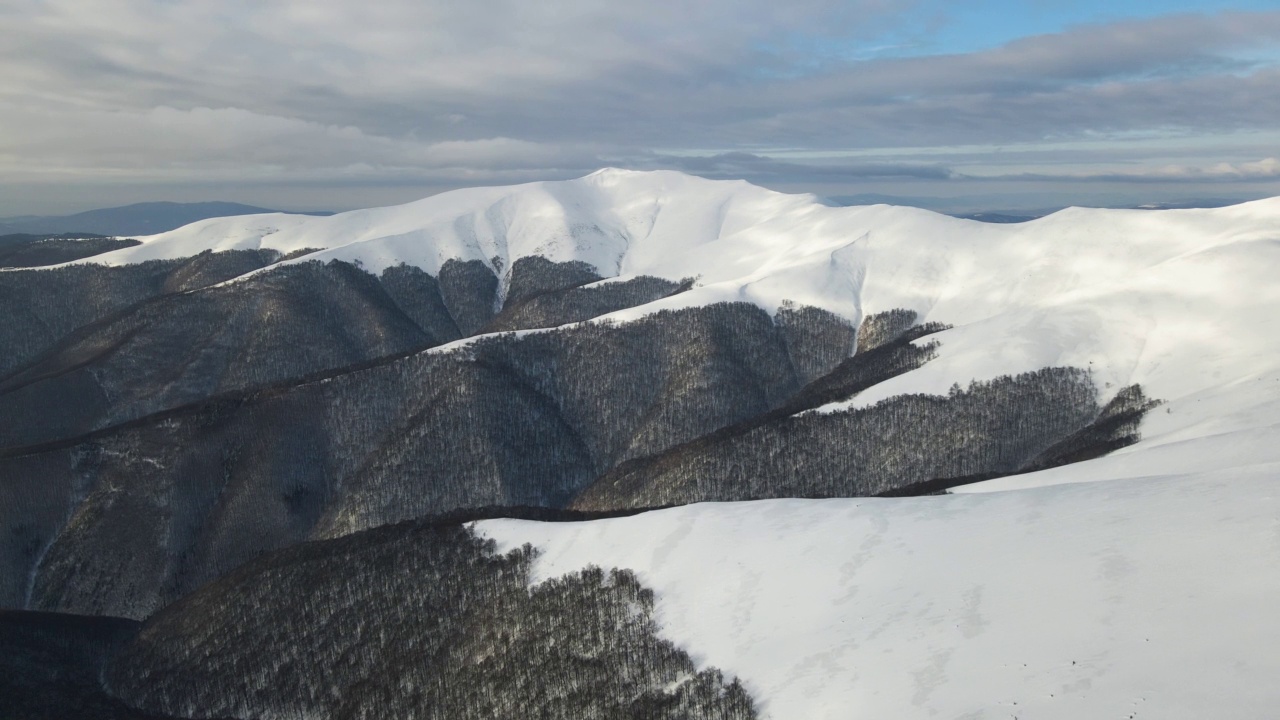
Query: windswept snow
{"points": [[1181, 301], [1133, 599]]}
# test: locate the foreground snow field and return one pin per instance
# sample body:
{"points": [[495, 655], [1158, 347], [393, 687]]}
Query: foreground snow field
{"points": [[1148, 598]]}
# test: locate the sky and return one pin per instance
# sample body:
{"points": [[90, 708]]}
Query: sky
{"points": [[333, 104]]}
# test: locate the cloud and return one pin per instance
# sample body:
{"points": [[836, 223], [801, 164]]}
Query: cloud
{"points": [[497, 90], [742, 164], [203, 52], [1267, 169], [165, 142]]}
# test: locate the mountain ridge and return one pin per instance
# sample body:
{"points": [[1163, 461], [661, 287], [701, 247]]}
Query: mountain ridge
{"points": [[1081, 280], [146, 218]]}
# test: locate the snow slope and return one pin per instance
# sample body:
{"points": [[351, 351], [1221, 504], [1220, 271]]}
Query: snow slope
{"points": [[1180, 301], [1132, 599]]}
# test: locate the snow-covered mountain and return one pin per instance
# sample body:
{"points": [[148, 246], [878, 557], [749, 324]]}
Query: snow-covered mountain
{"points": [[267, 440], [1179, 301]]}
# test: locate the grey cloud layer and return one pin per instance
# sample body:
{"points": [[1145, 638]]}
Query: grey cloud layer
{"points": [[502, 89]]}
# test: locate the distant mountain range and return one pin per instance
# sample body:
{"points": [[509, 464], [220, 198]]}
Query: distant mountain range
{"points": [[964, 207], [139, 219], [150, 218], [24, 250]]}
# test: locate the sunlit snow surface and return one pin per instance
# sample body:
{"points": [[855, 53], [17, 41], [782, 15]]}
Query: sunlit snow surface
{"points": [[1149, 598]]}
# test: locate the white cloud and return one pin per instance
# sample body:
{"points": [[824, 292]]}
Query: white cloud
{"points": [[163, 143], [487, 91], [1266, 169]]}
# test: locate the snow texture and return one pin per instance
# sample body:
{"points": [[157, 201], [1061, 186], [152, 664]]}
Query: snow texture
{"points": [[1150, 598]]}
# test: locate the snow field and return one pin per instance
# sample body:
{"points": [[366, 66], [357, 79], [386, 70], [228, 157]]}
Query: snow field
{"points": [[1137, 598]]}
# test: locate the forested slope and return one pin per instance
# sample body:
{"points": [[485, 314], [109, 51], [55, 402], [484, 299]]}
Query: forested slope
{"points": [[416, 620], [506, 420]]}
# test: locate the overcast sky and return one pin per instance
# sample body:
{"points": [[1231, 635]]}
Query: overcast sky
{"points": [[334, 104]]}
